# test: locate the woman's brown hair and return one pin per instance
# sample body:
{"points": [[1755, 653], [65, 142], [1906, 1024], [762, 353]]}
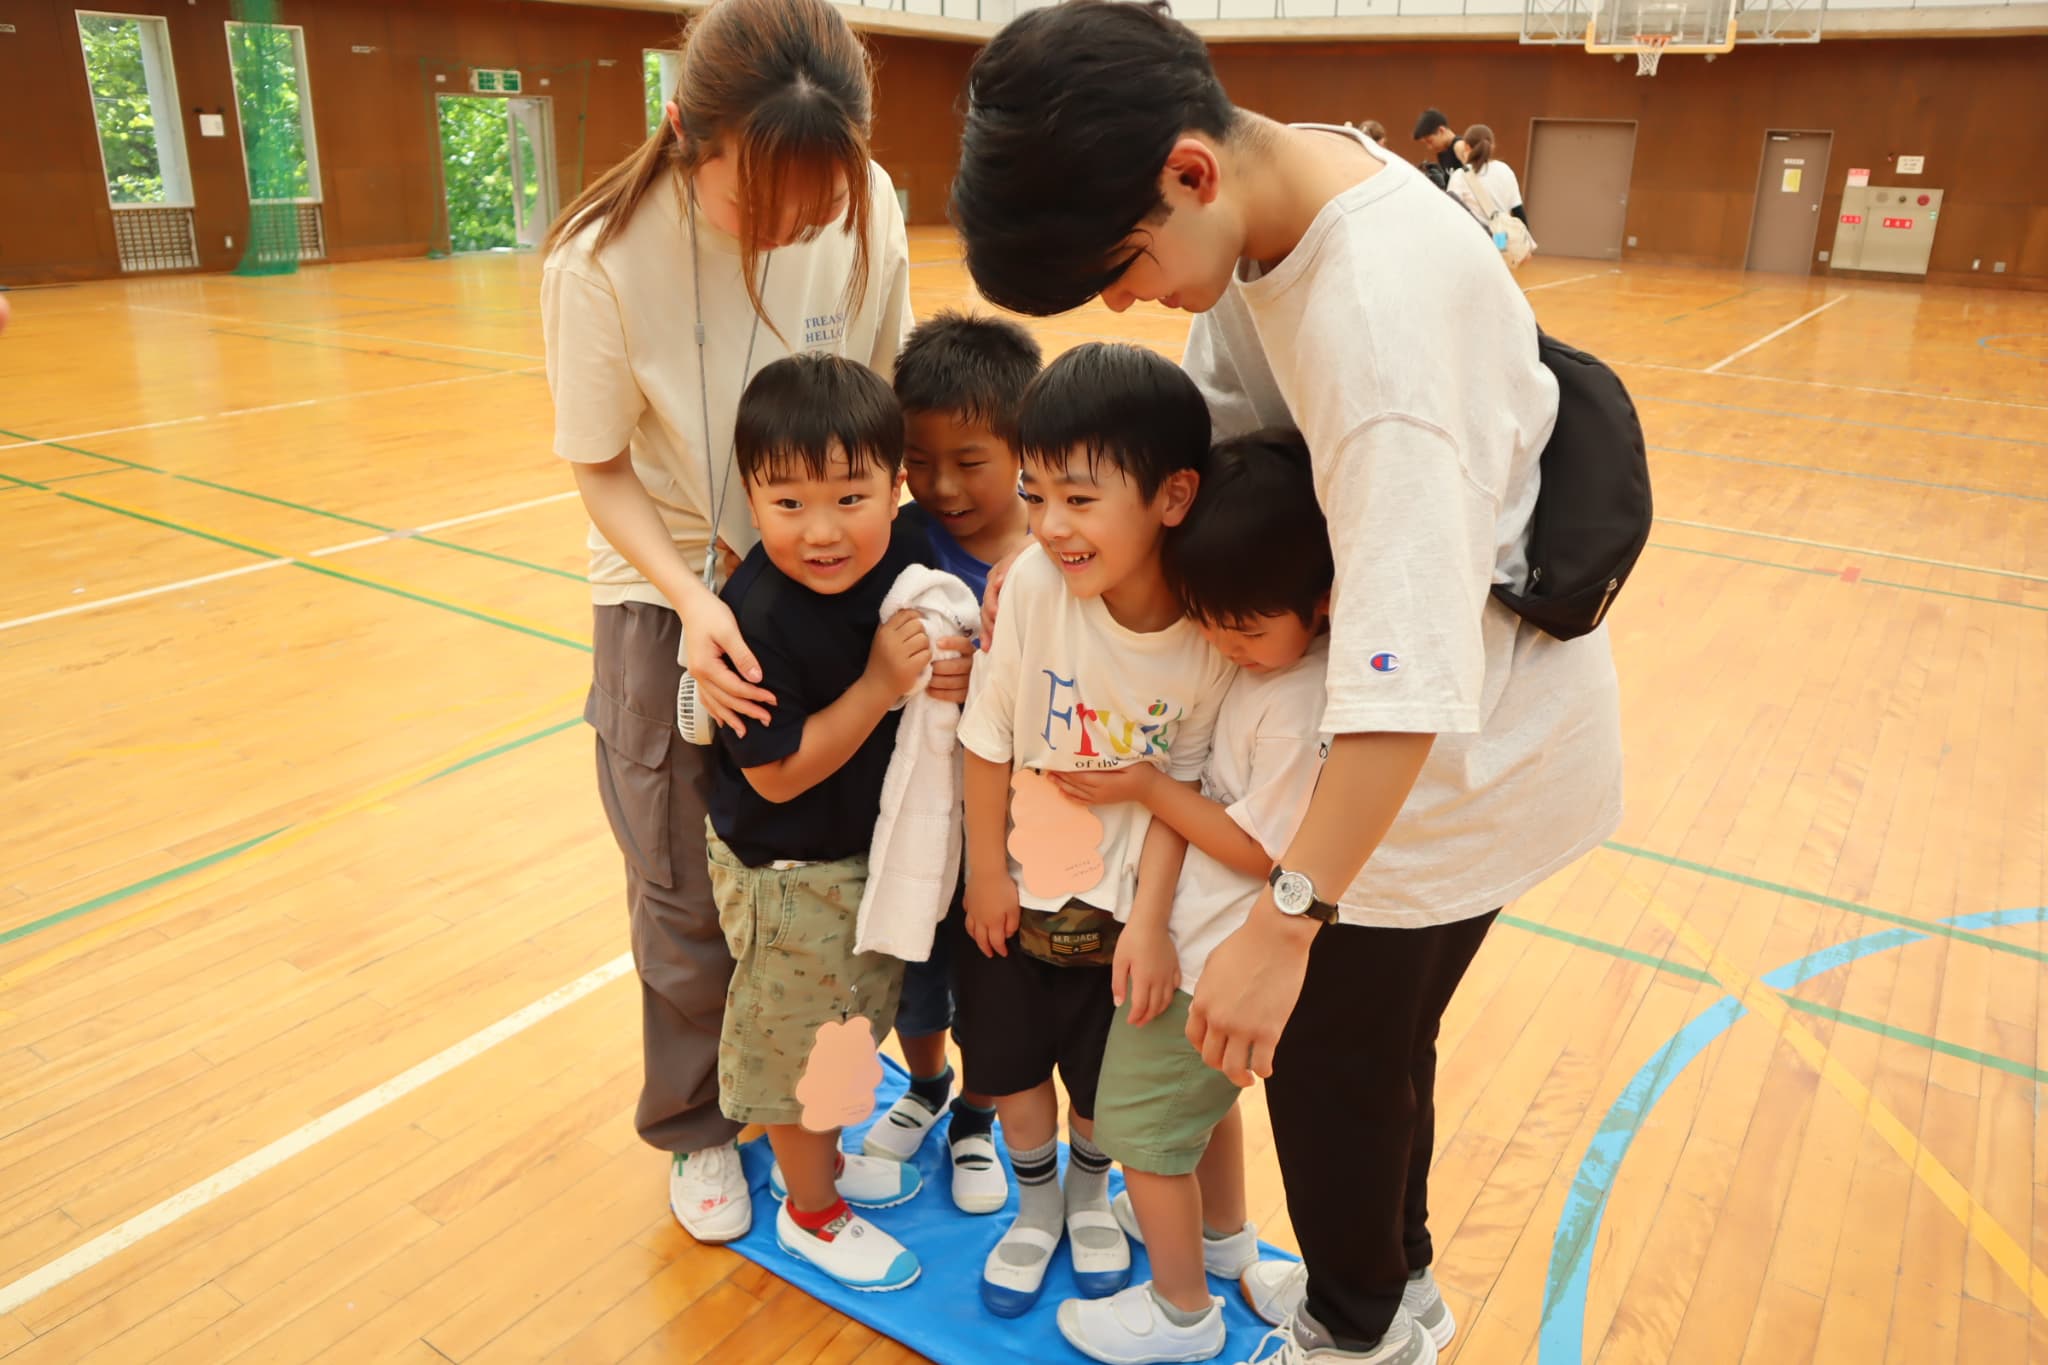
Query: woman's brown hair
{"points": [[781, 86], [1479, 142]]}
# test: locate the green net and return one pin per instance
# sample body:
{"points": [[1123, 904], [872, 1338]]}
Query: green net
{"points": [[268, 63]]}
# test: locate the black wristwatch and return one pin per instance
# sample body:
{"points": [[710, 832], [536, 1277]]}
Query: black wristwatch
{"points": [[1295, 894]]}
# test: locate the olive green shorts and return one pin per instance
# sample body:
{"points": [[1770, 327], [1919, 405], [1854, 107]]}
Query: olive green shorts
{"points": [[1158, 1101], [791, 934]]}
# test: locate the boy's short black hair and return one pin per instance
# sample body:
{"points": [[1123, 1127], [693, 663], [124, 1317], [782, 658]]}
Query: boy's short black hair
{"points": [[1254, 543], [1071, 113], [797, 410], [1431, 120], [1129, 408], [973, 367]]}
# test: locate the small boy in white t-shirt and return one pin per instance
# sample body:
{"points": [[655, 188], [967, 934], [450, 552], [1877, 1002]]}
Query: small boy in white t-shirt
{"points": [[1252, 567], [1092, 666]]}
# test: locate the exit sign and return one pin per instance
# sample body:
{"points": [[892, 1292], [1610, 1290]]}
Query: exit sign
{"points": [[486, 81], [1898, 222], [1852, 219]]}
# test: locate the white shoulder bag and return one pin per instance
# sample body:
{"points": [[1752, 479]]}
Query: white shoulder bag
{"points": [[1510, 234]]}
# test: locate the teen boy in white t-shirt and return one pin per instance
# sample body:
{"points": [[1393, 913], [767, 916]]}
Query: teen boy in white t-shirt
{"points": [[1473, 755], [1092, 667]]}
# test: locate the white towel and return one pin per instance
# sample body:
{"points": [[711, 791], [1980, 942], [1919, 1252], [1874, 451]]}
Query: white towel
{"points": [[914, 863]]}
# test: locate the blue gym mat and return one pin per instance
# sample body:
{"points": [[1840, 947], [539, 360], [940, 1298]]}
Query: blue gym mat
{"points": [[941, 1316]]}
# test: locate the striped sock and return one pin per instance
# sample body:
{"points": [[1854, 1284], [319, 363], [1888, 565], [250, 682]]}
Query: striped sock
{"points": [[1088, 1192]]}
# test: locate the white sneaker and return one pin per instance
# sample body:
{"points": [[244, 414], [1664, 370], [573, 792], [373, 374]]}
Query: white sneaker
{"points": [[1275, 1289], [1404, 1344], [860, 1255], [1129, 1328], [1426, 1305], [980, 1184], [898, 1134], [1227, 1258], [707, 1192], [866, 1182]]}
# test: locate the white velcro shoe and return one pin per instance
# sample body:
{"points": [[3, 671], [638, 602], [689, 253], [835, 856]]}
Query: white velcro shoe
{"points": [[1227, 1258], [707, 1192], [1129, 1328]]}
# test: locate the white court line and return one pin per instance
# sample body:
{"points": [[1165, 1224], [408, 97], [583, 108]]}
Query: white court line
{"points": [[1715, 368], [383, 538], [266, 407], [1858, 550], [1846, 388], [78, 607], [195, 1197], [1552, 284], [330, 331]]}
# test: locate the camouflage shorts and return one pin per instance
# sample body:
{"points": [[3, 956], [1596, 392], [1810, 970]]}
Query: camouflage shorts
{"points": [[790, 931]]}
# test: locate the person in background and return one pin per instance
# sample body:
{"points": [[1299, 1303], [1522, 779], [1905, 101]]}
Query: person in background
{"points": [[1440, 145], [1375, 130], [1491, 172]]}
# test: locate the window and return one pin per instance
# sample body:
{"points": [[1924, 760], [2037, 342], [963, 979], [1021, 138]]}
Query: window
{"points": [[660, 72], [275, 109], [135, 105]]}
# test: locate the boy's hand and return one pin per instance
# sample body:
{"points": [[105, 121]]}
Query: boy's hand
{"points": [[1110, 786], [900, 653], [992, 912], [949, 676], [1146, 970], [994, 592]]}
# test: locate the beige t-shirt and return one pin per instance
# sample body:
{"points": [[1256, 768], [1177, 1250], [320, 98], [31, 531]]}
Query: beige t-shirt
{"points": [[622, 355], [1065, 688], [1397, 342], [1263, 764]]}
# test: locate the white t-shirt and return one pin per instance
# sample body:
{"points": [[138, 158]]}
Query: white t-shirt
{"points": [[1065, 688], [1263, 765], [1498, 182], [1394, 338], [622, 354]]}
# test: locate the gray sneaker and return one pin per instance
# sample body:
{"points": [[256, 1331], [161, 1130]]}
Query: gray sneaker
{"points": [[1302, 1342], [1428, 1308]]}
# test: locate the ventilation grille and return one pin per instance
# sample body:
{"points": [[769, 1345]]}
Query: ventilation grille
{"points": [[285, 233], [156, 239]]}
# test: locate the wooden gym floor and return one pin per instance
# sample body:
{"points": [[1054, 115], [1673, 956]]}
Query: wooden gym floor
{"points": [[316, 1040]]}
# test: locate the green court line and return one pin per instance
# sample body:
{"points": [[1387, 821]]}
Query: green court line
{"points": [[136, 888], [470, 612], [1924, 926], [1611, 949], [1843, 1017], [1948, 592], [358, 350], [507, 747], [1742, 559], [1905, 1035], [311, 511]]}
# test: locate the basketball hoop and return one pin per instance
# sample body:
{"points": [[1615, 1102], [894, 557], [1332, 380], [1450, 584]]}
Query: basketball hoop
{"points": [[1649, 48]]}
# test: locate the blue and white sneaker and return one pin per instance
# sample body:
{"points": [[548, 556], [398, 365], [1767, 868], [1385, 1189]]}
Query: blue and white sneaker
{"points": [[859, 1255], [866, 1182]]}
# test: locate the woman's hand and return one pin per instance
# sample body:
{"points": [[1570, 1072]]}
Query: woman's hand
{"points": [[727, 690]]}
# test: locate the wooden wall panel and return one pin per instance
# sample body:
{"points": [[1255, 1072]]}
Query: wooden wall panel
{"points": [[1700, 126]]}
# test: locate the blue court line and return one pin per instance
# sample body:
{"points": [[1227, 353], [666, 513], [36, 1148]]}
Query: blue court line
{"points": [[1985, 342], [1561, 1336]]}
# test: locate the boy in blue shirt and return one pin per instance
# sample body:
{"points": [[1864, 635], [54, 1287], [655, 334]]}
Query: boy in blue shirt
{"points": [[960, 381]]}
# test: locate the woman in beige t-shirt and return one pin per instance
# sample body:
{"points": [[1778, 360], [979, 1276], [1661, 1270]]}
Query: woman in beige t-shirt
{"points": [[751, 225]]}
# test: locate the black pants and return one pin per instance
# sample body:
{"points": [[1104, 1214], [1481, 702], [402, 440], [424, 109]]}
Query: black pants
{"points": [[1353, 1100]]}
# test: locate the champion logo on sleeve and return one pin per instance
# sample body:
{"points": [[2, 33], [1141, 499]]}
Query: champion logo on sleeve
{"points": [[1384, 662]]}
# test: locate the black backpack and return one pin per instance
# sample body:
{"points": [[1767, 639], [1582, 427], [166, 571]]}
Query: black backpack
{"points": [[1593, 510]]}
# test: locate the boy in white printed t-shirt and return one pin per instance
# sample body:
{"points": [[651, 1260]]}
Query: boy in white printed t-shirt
{"points": [[1252, 567], [1092, 666]]}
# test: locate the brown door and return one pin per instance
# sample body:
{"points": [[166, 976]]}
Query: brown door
{"points": [[1788, 191], [1577, 186]]}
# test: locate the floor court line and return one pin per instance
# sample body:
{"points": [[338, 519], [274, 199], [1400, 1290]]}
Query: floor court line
{"points": [[1576, 279], [264, 407], [1858, 550], [1832, 472], [1824, 384], [1841, 421], [1770, 337], [339, 1119], [281, 561], [334, 331]]}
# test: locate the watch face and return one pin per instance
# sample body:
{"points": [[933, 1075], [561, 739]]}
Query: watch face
{"points": [[1293, 893]]}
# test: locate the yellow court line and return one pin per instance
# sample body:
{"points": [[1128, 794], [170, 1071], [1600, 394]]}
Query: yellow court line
{"points": [[227, 867], [1977, 1220]]}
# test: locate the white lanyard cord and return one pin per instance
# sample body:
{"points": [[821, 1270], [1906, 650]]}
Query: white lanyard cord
{"points": [[714, 487]]}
